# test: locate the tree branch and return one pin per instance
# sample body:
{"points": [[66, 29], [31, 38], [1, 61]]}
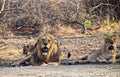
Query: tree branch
{"points": [[3, 6]]}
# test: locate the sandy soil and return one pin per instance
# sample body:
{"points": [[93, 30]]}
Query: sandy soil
{"points": [[88, 70]]}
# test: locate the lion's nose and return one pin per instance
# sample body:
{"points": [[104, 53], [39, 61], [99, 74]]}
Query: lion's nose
{"points": [[111, 42]]}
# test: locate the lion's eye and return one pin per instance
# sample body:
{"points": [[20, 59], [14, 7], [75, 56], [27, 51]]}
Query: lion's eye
{"points": [[48, 40], [42, 39]]}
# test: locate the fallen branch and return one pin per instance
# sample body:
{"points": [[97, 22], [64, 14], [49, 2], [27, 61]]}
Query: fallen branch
{"points": [[3, 6]]}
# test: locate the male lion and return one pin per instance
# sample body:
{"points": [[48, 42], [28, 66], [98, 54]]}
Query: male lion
{"points": [[46, 50], [106, 54]]}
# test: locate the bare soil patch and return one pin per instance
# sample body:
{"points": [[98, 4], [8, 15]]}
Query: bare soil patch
{"points": [[111, 70]]}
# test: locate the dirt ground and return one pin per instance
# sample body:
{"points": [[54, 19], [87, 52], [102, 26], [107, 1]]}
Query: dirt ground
{"points": [[11, 50], [88, 70]]}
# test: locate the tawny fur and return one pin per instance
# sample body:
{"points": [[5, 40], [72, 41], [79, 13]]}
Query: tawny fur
{"points": [[45, 43], [107, 53]]}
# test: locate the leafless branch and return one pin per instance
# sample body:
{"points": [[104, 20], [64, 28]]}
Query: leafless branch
{"points": [[101, 4], [3, 6]]}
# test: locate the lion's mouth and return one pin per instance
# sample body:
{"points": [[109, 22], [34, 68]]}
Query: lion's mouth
{"points": [[44, 51], [111, 49]]}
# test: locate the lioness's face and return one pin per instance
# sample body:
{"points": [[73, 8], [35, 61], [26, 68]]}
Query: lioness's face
{"points": [[46, 42], [110, 42]]}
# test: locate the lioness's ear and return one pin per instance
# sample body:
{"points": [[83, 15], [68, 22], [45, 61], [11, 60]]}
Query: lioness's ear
{"points": [[115, 36], [105, 37]]}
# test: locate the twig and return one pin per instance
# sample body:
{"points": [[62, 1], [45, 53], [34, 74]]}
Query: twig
{"points": [[53, 4], [3, 6], [25, 4], [101, 4]]}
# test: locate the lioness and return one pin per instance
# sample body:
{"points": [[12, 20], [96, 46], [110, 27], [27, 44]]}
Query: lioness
{"points": [[107, 53], [27, 49], [45, 50]]}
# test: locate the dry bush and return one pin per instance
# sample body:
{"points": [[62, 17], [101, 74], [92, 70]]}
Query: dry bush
{"points": [[34, 14], [102, 8], [100, 11], [18, 14], [25, 26]]}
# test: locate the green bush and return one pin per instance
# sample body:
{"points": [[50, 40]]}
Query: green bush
{"points": [[87, 23]]}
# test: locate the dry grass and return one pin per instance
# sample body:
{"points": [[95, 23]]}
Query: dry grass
{"points": [[65, 31], [59, 30], [106, 28]]}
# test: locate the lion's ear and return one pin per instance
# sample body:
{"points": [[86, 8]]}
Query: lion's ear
{"points": [[38, 41], [57, 41]]}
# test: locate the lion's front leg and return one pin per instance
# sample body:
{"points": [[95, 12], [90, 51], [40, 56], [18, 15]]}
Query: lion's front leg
{"points": [[101, 60], [35, 61], [55, 56], [54, 63], [113, 58], [21, 61]]}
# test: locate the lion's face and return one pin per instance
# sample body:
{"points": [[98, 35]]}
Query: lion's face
{"points": [[46, 42]]}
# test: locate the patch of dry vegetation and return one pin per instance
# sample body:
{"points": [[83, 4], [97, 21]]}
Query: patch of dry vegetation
{"points": [[23, 17]]}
